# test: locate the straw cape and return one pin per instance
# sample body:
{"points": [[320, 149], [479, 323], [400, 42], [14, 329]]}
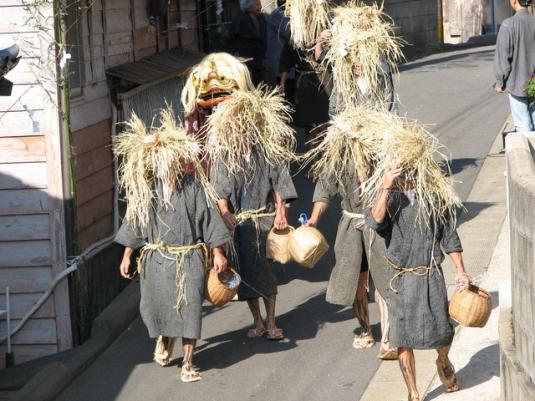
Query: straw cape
{"points": [[155, 157], [362, 46], [258, 119], [409, 145], [308, 18]]}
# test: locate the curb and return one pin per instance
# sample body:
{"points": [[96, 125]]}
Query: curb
{"points": [[55, 376]]}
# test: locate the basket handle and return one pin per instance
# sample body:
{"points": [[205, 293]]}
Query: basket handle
{"points": [[478, 290]]}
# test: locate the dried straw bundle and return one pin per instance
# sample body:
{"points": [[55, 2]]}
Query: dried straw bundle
{"points": [[155, 158], [352, 141], [410, 146], [362, 46], [308, 18], [251, 121]]}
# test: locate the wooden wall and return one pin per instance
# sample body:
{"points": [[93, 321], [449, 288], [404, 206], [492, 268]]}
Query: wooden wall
{"points": [[32, 248], [122, 32], [462, 20]]}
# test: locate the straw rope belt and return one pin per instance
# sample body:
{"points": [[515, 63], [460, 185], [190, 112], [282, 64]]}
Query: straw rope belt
{"points": [[417, 271], [177, 253], [357, 216], [253, 215]]}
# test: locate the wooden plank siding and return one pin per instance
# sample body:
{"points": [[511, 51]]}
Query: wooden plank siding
{"points": [[31, 198]]}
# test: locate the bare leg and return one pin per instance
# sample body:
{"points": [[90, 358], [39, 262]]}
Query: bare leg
{"points": [[254, 307], [188, 372], [385, 324], [408, 369], [188, 346], [360, 305], [259, 329], [446, 371], [270, 303], [274, 333], [164, 350], [443, 355]]}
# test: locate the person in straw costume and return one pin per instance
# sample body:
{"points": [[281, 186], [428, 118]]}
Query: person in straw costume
{"points": [[169, 219], [251, 144], [361, 52], [342, 161], [209, 83], [413, 207]]}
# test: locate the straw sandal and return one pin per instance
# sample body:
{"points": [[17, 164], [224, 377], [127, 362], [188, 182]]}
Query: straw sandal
{"points": [[162, 356], [256, 332], [363, 341], [275, 334], [447, 377], [387, 355], [190, 374]]}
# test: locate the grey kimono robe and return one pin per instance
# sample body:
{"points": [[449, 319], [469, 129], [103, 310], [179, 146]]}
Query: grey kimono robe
{"points": [[418, 312], [357, 247], [252, 193], [188, 220]]}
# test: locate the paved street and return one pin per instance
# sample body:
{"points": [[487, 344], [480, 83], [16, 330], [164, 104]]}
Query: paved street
{"points": [[452, 91]]}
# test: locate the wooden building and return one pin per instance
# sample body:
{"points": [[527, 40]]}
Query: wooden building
{"points": [[48, 214]]}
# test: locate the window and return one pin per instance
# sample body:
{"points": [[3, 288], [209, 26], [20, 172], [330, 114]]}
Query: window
{"points": [[74, 45], [217, 19]]}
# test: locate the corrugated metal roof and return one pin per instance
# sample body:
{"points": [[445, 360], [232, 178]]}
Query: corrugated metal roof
{"points": [[153, 69]]}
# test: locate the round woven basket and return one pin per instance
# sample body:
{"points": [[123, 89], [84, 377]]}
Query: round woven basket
{"points": [[221, 288], [277, 245], [471, 306], [307, 245]]}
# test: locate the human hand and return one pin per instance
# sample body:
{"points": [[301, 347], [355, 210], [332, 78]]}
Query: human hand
{"points": [[312, 222], [220, 261], [463, 280], [325, 35], [499, 89], [280, 223], [124, 268], [390, 177], [230, 220]]}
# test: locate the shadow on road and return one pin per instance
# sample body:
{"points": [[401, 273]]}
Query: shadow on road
{"points": [[482, 367], [301, 323], [486, 55], [471, 210]]}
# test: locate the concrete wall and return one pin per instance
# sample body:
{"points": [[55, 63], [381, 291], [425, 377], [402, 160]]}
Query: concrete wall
{"points": [[416, 20], [518, 347]]}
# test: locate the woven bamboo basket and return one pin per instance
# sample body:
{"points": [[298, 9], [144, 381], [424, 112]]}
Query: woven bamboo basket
{"points": [[307, 245], [277, 245], [471, 306], [221, 288]]}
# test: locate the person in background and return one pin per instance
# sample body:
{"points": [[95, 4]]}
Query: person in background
{"points": [[514, 63], [248, 39], [311, 97], [278, 34]]}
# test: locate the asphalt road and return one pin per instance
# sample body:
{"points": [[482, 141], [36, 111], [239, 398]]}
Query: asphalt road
{"points": [[449, 91]]}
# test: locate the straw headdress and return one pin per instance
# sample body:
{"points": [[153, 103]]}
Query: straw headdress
{"points": [[352, 141], [308, 18], [410, 146], [362, 46], [155, 158], [257, 120]]}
